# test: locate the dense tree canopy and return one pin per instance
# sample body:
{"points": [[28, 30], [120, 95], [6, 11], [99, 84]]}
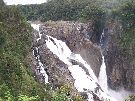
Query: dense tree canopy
{"points": [[68, 10], [16, 80], [15, 39], [54, 10]]}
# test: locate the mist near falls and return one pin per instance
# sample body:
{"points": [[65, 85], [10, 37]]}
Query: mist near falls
{"points": [[120, 95]]}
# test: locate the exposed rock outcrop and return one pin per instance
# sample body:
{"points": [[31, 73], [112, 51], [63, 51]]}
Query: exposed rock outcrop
{"points": [[119, 66], [79, 43], [56, 70], [92, 34]]}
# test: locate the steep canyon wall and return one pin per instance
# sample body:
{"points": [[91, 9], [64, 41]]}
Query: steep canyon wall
{"points": [[119, 66], [76, 38]]}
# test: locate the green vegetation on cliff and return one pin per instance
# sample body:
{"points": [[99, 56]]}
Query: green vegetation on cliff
{"points": [[16, 80], [55, 10], [15, 41], [93, 11], [68, 10], [124, 16], [124, 20]]}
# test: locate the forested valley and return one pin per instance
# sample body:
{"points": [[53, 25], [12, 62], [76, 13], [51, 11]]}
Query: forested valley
{"points": [[16, 79]]}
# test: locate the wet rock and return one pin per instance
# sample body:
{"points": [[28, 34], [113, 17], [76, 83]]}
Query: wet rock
{"points": [[84, 95], [78, 42], [119, 66]]}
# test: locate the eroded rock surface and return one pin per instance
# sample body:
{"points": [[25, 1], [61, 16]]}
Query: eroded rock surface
{"points": [[76, 39], [119, 66]]}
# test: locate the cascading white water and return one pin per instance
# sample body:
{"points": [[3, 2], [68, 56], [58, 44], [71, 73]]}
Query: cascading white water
{"points": [[101, 38], [102, 79], [83, 81], [39, 68]]}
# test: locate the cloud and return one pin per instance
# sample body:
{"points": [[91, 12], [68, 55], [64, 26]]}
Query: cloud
{"points": [[12, 2]]}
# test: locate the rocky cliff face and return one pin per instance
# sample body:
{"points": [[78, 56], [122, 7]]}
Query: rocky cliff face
{"points": [[76, 39], [119, 66], [56, 70]]}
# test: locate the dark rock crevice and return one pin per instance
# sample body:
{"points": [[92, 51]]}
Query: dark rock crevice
{"points": [[120, 70]]}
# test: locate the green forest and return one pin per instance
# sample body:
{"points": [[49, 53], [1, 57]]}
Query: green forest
{"points": [[68, 10], [98, 12], [120, 13], [16, 80]]}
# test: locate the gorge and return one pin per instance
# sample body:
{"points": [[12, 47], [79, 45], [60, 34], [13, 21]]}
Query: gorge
{"points": [[68, 50], [82, 76]]}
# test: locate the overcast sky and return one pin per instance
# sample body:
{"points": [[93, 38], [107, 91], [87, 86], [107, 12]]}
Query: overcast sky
{"points": [[11, 2]]}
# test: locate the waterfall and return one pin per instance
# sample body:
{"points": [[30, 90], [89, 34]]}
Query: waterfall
{"points": [[39, 66], [102, 79], [85, 79], [101, 38], [84, 82]]}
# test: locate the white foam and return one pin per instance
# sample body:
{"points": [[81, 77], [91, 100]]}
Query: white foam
{"points": [[119, 95], [40, 67], [83, 82], [36, 26]]}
